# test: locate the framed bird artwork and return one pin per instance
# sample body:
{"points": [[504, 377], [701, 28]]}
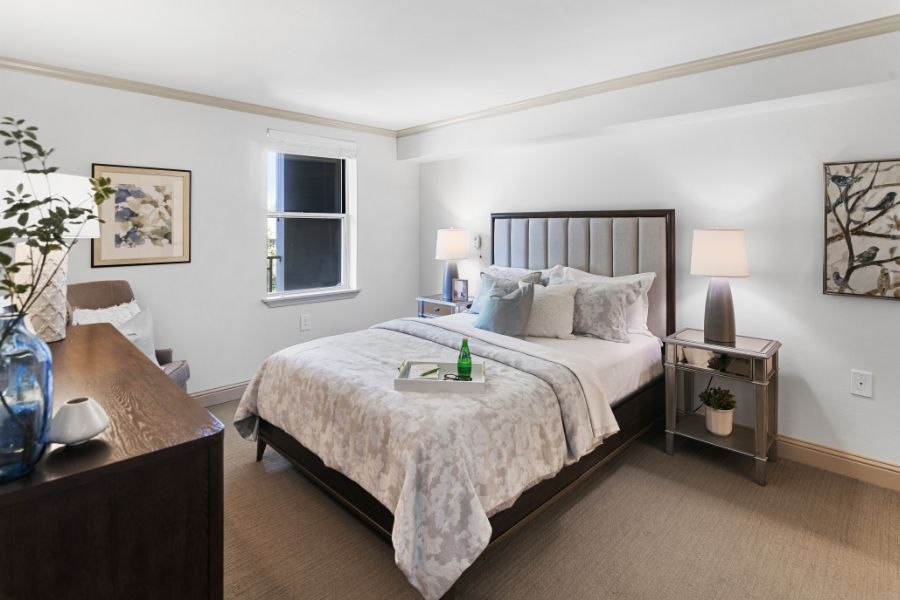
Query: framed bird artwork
{"points": [[862, 229]]}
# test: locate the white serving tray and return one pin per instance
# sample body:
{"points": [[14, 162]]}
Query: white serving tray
{"points": [[404, 384]]}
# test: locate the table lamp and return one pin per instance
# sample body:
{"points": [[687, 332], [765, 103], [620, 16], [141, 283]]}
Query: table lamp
{"points": [[48, 313], [719, 253], [451, 246]]}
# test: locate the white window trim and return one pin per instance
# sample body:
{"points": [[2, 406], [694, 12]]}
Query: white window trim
{"points": [[342, 149], [318, 295]]}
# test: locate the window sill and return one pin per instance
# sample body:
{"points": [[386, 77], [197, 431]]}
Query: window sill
{"points": [[304, 297]]}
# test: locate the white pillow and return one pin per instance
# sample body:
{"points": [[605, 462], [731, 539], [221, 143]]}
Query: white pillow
{"points": [[637, 312], [132, 322], [553, 311], [139, 331], [115, 315]]}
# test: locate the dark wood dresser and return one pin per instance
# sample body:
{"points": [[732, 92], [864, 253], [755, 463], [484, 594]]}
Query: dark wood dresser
{"points": [[135, 513]]}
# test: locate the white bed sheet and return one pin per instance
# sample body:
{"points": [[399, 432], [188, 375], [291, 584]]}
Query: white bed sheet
{"points": [[623, 368]]}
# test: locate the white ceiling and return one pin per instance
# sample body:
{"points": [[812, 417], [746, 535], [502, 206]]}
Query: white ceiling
{"points": [[399, 63]]}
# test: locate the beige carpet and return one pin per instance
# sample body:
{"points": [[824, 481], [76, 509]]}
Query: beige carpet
{"points": [[648, 525]]}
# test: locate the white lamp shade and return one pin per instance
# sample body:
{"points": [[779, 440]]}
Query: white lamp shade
{"points": [[719, 253], [452, 244], [74, 188]]}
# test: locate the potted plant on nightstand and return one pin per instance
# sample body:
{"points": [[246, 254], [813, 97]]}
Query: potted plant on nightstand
{"points": [[719, 410]]}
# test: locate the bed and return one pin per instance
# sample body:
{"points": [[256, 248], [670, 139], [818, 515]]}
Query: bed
{"points": [[461, 473]]}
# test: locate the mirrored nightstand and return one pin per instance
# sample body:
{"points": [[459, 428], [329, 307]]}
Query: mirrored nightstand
{"points": [[436, 306], [753, 360]]}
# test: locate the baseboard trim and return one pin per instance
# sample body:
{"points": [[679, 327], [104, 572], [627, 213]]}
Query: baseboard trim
{"points": [[220, 395], [849, 464]]}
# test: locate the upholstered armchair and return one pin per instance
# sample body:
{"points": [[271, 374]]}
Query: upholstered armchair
{"points": [[104, 294]]}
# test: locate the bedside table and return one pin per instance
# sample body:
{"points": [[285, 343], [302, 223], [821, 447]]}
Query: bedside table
{"points": [[754, 360], [435, 306]]}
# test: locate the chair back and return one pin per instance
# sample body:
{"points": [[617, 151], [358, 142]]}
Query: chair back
{"points": [[99, 294]]}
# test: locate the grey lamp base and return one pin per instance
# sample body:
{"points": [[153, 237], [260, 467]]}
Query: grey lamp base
{"points": [[718, 323], [450, 273]]}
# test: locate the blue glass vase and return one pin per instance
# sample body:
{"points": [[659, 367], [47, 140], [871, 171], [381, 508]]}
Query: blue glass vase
{"points": [[26, 393]]}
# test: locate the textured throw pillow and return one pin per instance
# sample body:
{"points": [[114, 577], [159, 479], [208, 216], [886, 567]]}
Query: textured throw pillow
{"points": [[139, 331], [507, 314], [502, 284], [115, 315], [637, 312], [553, 311], [516, 273], [601, 309]]}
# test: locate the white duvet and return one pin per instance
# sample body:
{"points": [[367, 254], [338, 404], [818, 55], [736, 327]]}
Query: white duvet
{"points": [[442, 463]]}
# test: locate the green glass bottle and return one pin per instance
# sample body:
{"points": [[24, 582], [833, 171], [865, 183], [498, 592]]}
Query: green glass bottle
{"points": [[464, 362]]}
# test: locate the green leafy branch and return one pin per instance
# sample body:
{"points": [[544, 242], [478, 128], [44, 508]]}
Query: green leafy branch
{"points": [[40, 223]]}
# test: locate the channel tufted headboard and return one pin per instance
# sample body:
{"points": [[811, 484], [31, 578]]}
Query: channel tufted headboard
{"points": [[618, 242]]}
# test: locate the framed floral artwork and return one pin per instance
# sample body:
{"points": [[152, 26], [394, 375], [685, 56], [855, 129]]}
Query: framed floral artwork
{"points": [[148, 221], [862, 229]]}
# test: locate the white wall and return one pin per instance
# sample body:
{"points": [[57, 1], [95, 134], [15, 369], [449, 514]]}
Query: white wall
{"points": [[210, 311], [761, 172]]}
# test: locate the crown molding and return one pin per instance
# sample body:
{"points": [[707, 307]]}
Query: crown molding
{"points": [[129, 85], [829, 37], [848, 33]]}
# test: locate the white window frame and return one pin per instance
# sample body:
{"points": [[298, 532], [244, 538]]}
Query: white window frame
{"points": [[303, 145]]}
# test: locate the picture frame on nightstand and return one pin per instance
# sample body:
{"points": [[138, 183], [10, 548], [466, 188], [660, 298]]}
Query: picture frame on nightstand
{"points": [[460, 289]]}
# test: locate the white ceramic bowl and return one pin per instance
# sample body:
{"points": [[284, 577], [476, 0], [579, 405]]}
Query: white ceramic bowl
{"points": [[77, 421]]}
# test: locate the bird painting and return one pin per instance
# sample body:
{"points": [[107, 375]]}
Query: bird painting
{"points": [[862, 237], [829, 206], [867, 255], [884, 282], [843, 181], [885, 202], [841, 282]]}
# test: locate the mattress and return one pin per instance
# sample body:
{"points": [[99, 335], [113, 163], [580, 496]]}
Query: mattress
{"points": [[623, 368]]}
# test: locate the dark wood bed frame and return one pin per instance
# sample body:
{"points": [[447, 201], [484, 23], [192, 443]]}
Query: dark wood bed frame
{"points": [[635, 415]]}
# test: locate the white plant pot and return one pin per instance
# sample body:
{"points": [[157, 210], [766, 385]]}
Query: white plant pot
{"points": [[77, 421], [719, 422]]}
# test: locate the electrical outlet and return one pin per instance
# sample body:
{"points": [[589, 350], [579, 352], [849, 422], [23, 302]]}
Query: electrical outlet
{"points": [[861, 383], [305, 322]]}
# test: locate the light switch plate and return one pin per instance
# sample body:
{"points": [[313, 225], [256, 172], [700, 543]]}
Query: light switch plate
{"points": [[861, 383]]}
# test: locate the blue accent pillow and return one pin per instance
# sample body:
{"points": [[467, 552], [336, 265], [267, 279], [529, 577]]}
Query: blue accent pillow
{"points": [[507, 314]]}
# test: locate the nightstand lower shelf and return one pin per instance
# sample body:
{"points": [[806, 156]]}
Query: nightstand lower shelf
{"points": [[741, 439]]}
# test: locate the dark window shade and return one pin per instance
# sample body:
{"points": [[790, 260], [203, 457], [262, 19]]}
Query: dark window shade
{"points": [[311, 184], [311, 253]]}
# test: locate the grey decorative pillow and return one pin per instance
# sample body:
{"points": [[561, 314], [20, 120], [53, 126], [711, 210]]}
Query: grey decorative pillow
{"points": [[601, 309], [637, 312], [507, 314], [502, 284]]}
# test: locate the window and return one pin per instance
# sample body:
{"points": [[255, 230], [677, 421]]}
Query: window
{"points": [[311, 201], [306, 247]]}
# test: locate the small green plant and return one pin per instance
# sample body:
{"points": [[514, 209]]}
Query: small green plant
{"points": [[718, 398]]}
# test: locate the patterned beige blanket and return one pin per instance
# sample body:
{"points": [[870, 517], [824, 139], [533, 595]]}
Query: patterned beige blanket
{"points": [[442, 463]]}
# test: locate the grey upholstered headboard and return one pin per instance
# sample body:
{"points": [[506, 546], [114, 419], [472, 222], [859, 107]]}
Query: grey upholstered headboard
{"points": [[602, 242]]}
